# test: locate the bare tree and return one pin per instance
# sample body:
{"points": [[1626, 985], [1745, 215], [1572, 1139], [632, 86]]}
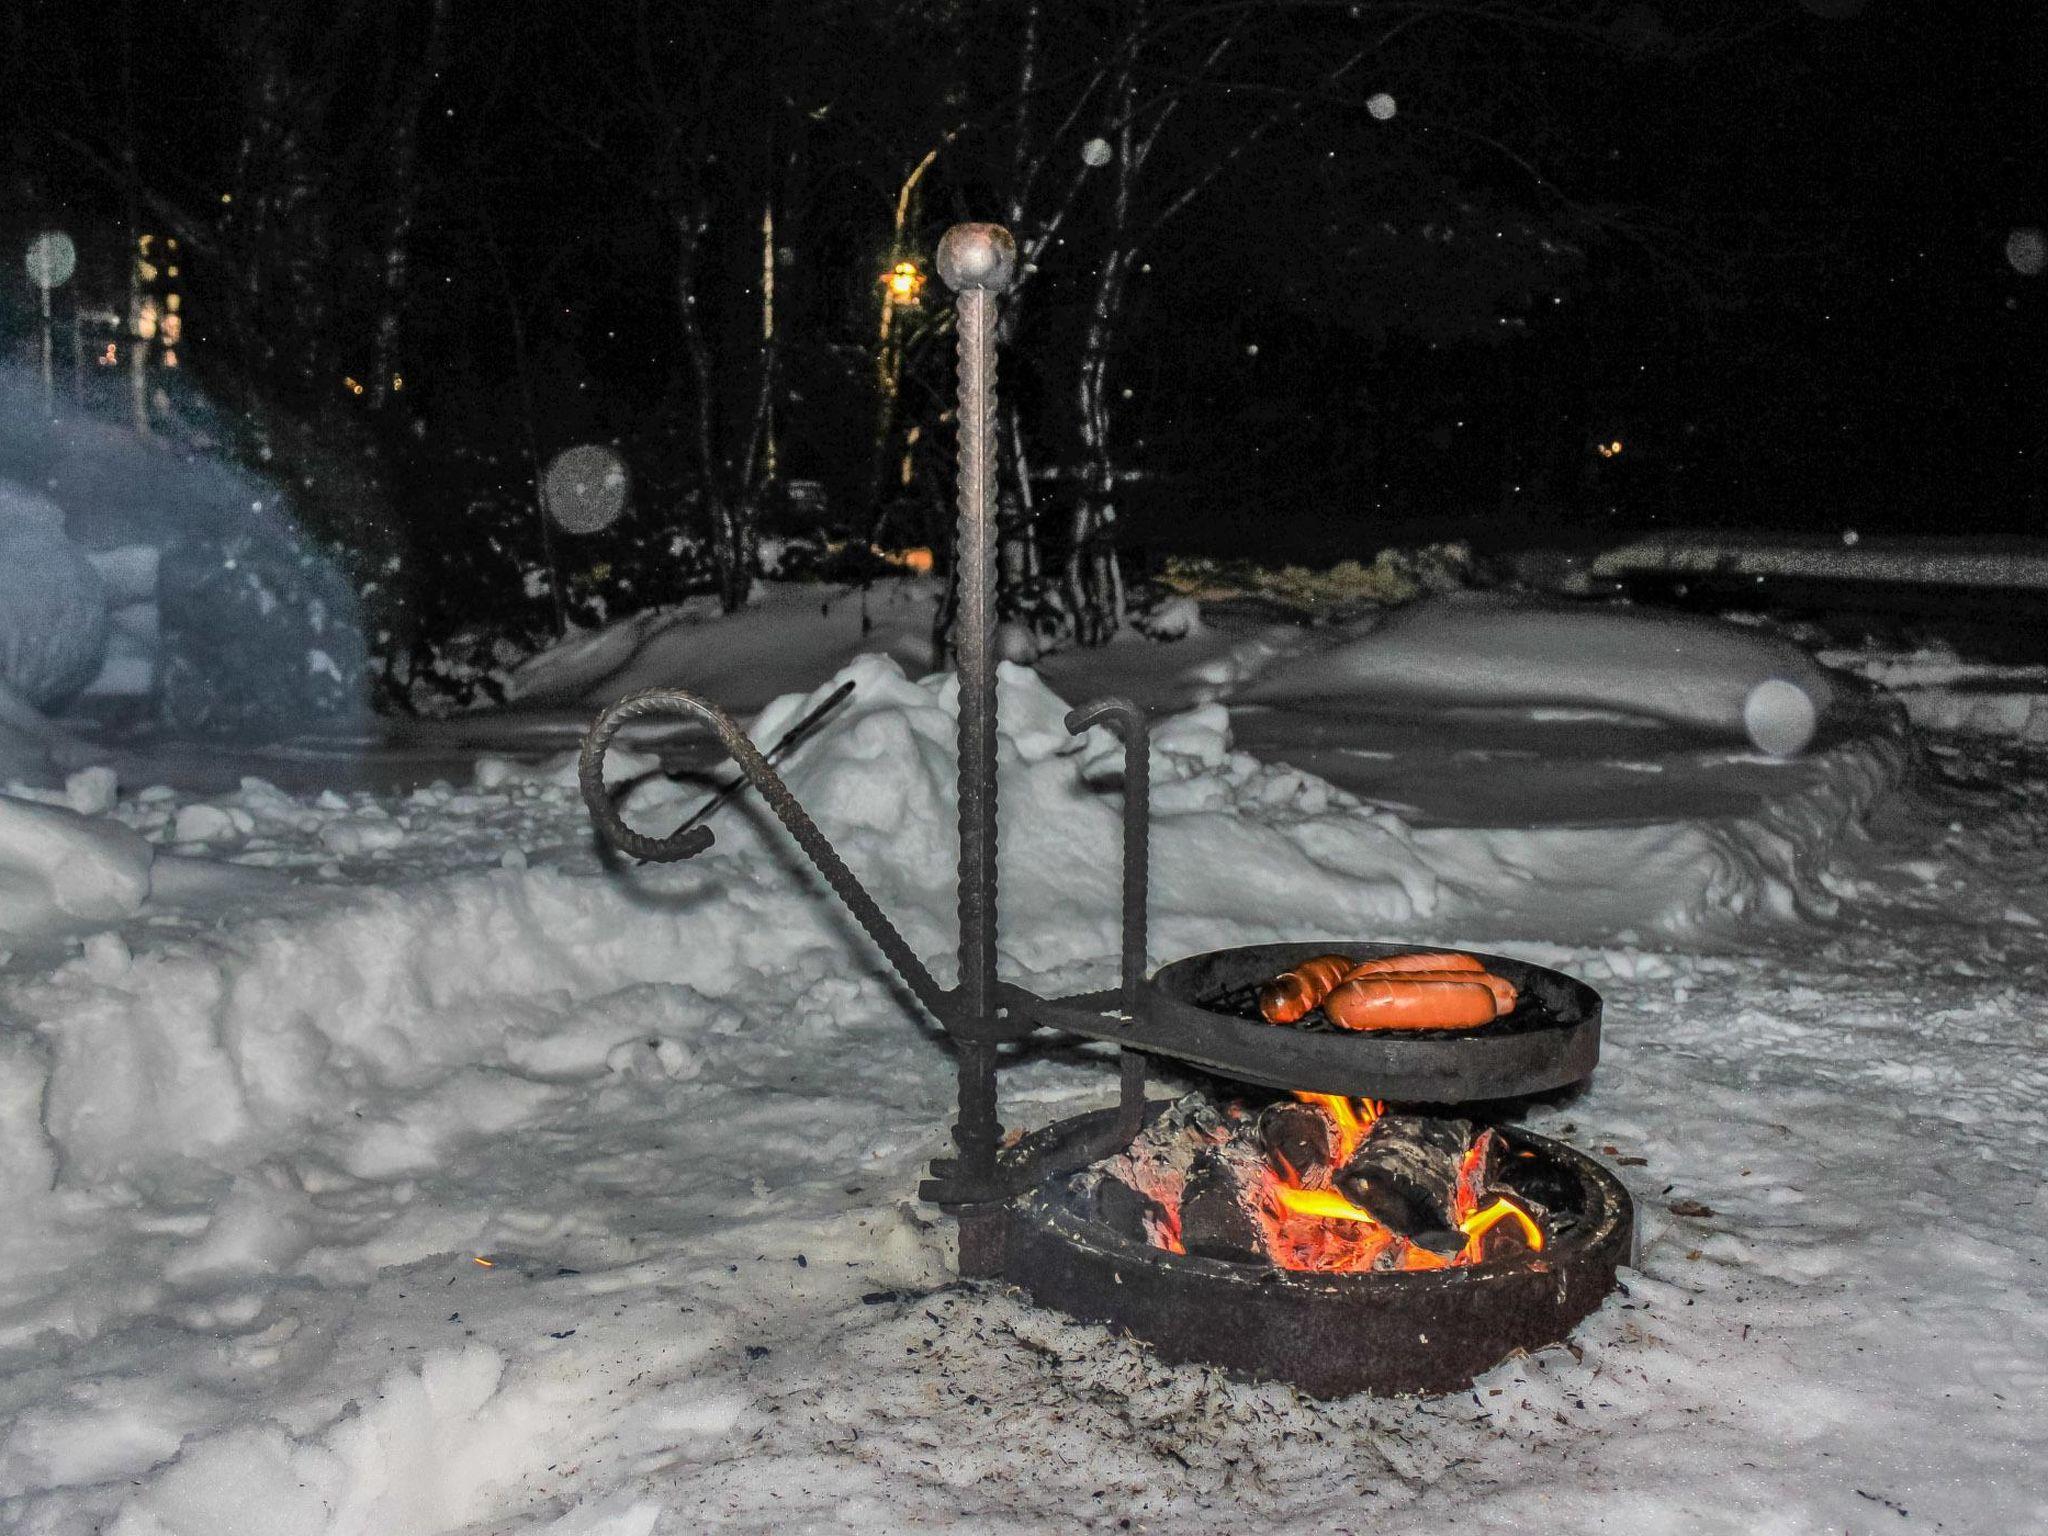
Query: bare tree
{"points": [[713, 114], [1128, 113], [422, 70]]}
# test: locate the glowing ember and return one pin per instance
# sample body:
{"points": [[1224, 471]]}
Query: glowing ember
{"points": [[1479, 1223], [1315, 1183], [1351, 1124], [1311, 1226]]}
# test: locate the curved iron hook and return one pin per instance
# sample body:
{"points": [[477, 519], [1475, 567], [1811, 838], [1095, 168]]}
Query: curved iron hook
{"points": [[612, 826], [1130, 723]]}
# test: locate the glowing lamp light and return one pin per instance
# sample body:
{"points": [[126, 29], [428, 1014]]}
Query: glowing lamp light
{"points": [[1609, 450], [353, 386], [917, 561], [904, 282]]}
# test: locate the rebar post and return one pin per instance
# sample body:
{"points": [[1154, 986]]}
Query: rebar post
{"points": [[978, 262]]}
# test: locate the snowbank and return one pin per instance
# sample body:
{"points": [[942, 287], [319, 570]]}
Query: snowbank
{"points": [[231, 1052], [1482, 650], [62, 872], [1943, 692], [53, 604], [171, 576], [791, 634]]}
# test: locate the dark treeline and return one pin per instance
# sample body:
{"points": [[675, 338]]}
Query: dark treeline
{"points": [[1300, 276]]}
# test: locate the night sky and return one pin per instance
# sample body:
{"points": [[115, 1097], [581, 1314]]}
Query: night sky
{"points": [[1773, 269]]}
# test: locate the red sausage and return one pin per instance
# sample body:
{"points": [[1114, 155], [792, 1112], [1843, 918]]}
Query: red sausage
{"points": [[1421, 960], [1399, 1002], [1290, 996], [1503, 990]]}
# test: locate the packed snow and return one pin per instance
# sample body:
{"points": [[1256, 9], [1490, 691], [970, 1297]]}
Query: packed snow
{"points": [[388, 1160], [1478, 649], [53, 604]]}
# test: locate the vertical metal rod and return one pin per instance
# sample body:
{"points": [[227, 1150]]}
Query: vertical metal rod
{"points": [[1130, 1117], [1130, 724], [978, 262], [1130, 1102], [49, 372]]}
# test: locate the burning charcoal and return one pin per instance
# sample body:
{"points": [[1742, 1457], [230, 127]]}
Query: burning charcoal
{"points": [[1219, 1213], [1195, 1112], [1405, 1172], [1476, 1172], [1298, 1137], [1123, 1209]]}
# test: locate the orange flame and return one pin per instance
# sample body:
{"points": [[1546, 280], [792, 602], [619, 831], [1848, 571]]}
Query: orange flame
{"points": [[1311, 1226], [1324, 1203], [1479, 1223]]}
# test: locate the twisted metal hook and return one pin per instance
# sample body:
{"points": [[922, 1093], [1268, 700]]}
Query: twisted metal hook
{"points": [[687, 845]]}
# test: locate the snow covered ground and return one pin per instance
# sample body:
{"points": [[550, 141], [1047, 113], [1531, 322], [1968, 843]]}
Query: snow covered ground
{"points": [[382, 1161]]}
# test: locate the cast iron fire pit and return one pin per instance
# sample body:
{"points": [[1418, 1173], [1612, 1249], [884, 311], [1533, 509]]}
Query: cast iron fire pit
{"points": [[1329, 1333]]}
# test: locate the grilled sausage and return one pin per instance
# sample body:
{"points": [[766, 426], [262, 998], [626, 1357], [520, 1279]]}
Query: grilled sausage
{"points": [[1295, 993], [1503, 990], [1417, 960], [1400, 1002]]}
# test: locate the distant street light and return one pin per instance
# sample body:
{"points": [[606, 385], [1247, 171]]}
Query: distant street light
{"points": [[51, 260], [901, 283], [905, 282]]}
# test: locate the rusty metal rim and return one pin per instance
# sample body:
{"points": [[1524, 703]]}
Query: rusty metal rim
{"points": [[1330, 1335]]}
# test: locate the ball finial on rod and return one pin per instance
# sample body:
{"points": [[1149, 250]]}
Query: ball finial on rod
{"points": [[978, 256]]}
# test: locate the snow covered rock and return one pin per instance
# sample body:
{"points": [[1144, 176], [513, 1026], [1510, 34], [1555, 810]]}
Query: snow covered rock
{"points": [[1486, 651], [63, 872], [53, 603]]}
